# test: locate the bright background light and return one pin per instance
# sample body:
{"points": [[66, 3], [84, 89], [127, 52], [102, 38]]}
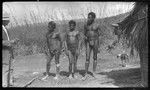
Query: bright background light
{"points": [[37, 12]]}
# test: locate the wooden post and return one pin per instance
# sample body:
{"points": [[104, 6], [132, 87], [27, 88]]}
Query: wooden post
{"points": [[144, 67], [9, 67], [8, 75], [10, 59]]}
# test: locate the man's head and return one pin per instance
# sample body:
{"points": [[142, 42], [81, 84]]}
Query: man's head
{"points": [[51, 25], [72, 25], [91, 17]]}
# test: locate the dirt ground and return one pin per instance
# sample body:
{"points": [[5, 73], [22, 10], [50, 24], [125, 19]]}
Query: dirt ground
{"points": [[109, 72]]}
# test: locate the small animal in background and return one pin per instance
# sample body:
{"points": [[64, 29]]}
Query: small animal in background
{"points": [[112, 46], [109, 48], [124, 58]]}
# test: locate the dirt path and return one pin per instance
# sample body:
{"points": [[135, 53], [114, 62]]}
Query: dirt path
{"points": [[109, 72]]}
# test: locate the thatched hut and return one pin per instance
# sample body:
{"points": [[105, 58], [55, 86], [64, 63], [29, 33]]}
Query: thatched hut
{"points": [[136, 31]]}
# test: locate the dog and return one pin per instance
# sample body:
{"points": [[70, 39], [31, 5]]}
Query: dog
{"points": [[124, 59]]}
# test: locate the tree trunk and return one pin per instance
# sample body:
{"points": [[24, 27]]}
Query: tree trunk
{"points": [[144, 66]]}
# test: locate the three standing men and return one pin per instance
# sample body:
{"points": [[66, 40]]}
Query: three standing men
{"points": [[72, 43]]}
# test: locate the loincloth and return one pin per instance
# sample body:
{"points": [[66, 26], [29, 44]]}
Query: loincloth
{"points": [[72, 47], [93, 42], [55, 46]]}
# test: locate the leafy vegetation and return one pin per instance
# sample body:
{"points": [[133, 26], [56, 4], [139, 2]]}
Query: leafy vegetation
{"points": [[32, 36]]}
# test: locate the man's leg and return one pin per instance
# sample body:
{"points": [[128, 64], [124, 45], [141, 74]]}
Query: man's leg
{"points": [[76, 58], [73, 66], [70, 64], [88, 53], [49, 57], [57, 55], [74, 54], [94, 60], [95, 51], [48, 64]]}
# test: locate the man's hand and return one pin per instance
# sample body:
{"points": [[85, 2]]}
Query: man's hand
{"points": [[10, 43], [78, 52], [63, 49], [54, 35], [7, 43], [67, 52]]}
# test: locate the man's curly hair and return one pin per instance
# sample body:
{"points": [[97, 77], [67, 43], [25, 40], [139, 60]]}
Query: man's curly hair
{"points": [[52, 23], [72, 22], [92, 14]]}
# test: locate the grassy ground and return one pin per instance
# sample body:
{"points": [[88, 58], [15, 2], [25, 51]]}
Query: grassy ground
{"points": [[30, 60], [109, 72]]}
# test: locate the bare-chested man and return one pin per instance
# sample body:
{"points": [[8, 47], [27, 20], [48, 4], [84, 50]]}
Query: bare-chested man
{"points": [[72, 47], [91, 32], [54, 44]]}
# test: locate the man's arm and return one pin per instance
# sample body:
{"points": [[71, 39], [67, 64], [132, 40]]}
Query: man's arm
{"points": [[65, 42], [99, 30], [56, 35], [6, 43], [84, 32], [47, 40], [79, 37], [65, 45], [10, 43]]}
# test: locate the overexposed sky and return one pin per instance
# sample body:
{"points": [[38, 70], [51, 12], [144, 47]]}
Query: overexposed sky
{"points": [[45, 11]]}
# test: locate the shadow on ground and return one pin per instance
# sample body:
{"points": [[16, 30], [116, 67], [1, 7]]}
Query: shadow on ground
{"points": [[125, 78], [50, 74], [81, 72]]}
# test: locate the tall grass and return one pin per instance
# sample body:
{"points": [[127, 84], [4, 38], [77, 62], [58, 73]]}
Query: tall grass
{"points": [[32, 36]]}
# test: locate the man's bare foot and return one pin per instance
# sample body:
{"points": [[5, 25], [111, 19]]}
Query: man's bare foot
{"points": [[85, 77], [56, 77], [70, 77], [75, 76]]}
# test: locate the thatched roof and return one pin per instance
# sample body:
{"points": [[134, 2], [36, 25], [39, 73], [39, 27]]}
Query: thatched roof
{"points": [[135, 26]]}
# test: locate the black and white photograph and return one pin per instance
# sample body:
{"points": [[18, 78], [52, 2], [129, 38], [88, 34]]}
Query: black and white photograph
{"points": [[74, 44]]}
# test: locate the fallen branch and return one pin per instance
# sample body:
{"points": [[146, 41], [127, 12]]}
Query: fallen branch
{"points": [[31, 81]]}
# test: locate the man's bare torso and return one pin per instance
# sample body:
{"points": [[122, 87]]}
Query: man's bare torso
{"points": [[91, 31], [72, 39], [54, 43]]}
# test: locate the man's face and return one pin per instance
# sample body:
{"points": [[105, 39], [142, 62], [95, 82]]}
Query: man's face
{"points": [[51, 27], [90, 19], [72, 26]]}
